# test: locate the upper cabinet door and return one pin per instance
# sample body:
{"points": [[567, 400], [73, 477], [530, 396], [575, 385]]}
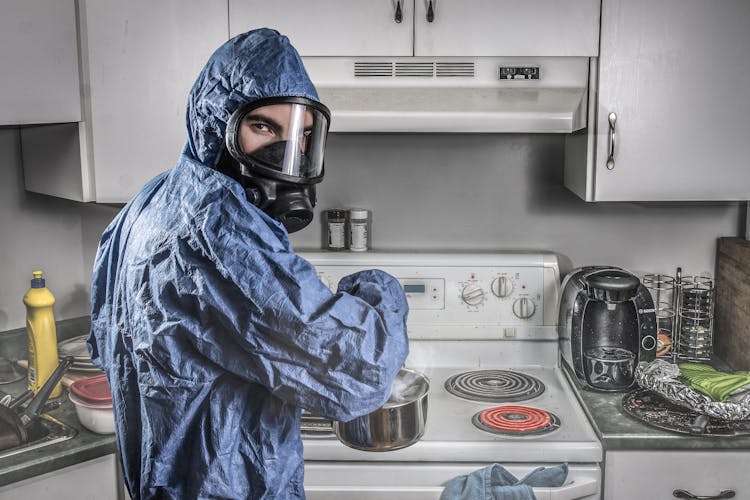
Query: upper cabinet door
{"points": [[676, 75], [143, 58], [39, 52], [331, 27], [506, 28]]}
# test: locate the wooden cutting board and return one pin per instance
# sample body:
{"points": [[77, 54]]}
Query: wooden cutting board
{"points": [[69, 377], [732, 307]]}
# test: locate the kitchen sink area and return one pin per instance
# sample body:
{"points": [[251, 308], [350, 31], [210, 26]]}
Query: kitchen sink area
{"points": [[58, 440], [44, 432], [62, 452]]}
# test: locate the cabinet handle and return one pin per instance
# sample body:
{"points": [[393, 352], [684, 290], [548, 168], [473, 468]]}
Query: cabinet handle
{"points": [[399, 15], [430, 13], [611, 159], [687, 494]]}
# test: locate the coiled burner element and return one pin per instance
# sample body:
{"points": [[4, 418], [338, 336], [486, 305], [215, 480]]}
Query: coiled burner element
{"points": [[494, 386], [516, 420]]}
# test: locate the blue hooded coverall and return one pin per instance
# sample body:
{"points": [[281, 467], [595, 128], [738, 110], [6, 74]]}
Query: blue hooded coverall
{"points": [[213, 333]]}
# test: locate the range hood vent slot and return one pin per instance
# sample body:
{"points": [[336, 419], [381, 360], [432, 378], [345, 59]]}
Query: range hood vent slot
{"points": [[367, 68], [415, 69], [454, 69], [421, 68]]}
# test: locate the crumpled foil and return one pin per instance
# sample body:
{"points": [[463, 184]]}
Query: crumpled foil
{"points": [[661, 377]]}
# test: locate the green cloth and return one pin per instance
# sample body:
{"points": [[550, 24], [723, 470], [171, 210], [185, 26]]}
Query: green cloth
{"points": [[711, 382]]}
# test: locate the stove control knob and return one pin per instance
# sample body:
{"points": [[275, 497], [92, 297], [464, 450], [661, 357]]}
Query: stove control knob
{"points": [[502, 287], [524, 308], [472, 294]]}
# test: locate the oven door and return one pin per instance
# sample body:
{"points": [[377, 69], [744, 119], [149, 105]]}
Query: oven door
{"points": [[410, 481]]}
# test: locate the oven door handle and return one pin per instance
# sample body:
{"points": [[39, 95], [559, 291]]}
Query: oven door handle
{"points": [[349, 492], [572, 491]]}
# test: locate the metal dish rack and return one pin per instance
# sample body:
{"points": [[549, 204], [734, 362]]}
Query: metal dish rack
{"points": [[694, 329]]}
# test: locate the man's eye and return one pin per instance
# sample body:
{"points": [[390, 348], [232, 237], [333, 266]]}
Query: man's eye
{"points": [[261, 127]]}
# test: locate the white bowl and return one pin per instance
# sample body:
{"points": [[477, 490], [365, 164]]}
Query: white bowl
{"points": [[96, 418]]}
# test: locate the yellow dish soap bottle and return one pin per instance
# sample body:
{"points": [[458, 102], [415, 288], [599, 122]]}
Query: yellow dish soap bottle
{"points": [[40, 326]]}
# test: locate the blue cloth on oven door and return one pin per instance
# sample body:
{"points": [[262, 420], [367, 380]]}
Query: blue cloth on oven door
{"points": [[213, 333], [495, 482]]}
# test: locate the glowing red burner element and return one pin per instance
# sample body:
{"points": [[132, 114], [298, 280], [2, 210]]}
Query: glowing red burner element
{"points": [[518, 420]]}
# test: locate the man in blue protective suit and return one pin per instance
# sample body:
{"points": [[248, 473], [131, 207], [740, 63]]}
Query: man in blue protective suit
{"points": [[213, 333]]}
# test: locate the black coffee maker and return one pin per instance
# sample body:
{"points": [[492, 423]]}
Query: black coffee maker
{"points": [[607, 325]]}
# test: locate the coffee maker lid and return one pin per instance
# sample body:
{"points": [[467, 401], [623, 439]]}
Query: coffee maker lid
{"points": [[612, 285]]}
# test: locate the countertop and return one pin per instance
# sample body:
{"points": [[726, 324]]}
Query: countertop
{"points": [[619, 431], [616, 429], [84, 446]]}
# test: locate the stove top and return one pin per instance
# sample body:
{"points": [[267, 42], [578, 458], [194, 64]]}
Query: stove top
{"points": [[450, 434]]}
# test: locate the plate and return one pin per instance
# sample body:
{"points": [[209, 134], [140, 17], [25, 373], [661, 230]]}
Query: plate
{"points": [[75, 347], [87, 369], [82, 364]]}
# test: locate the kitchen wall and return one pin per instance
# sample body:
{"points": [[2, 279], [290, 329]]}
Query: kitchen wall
{"points": [[436, 192], [41, 232], [493, 192], [38, 232]]}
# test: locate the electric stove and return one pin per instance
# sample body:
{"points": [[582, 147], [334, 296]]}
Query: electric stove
{"points": [[482, 328]]}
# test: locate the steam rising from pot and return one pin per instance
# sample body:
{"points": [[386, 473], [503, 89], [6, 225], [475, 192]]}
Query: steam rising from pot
{"points": [[407, 386]]}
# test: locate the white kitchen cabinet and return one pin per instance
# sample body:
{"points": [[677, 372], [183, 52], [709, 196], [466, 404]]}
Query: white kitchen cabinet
{"points": [[360, 28], [139, 60], [39, 52], [96, 479], [331, 27], [657, 474], [143, 58], [676, 75], [525, 28]]}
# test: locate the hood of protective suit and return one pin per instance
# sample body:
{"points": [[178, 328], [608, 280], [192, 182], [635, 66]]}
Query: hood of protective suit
{"points": [[251, 66]]}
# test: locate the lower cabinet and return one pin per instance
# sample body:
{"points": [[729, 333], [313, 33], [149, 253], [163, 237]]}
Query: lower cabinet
{"points": [[96, 479], [658, 474]]}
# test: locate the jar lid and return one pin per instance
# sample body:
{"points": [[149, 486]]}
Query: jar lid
{"points": [[92, 390], [358, 213], [336, 213]]}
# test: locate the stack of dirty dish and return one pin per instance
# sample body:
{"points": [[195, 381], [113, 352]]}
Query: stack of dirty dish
{"points": [[77, 348]]}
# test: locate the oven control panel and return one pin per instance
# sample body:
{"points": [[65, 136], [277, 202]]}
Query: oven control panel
{"points": [[464, 296], [424, 293]]}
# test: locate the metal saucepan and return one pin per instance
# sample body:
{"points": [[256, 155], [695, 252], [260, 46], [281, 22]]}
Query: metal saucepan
{"points": [[14, 426], [399, 423]]}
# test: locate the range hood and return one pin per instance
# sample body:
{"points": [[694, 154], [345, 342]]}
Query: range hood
{"points": [[480, 94]]}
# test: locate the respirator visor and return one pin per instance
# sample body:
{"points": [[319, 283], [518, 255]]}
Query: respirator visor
{"points": [[281, 137]]}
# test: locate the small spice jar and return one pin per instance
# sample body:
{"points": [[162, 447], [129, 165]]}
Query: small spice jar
{"points": [[359, 229], [336, 222]]}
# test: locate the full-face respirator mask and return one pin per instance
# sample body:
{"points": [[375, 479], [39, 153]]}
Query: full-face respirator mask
{"points": [[274, 148]]}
